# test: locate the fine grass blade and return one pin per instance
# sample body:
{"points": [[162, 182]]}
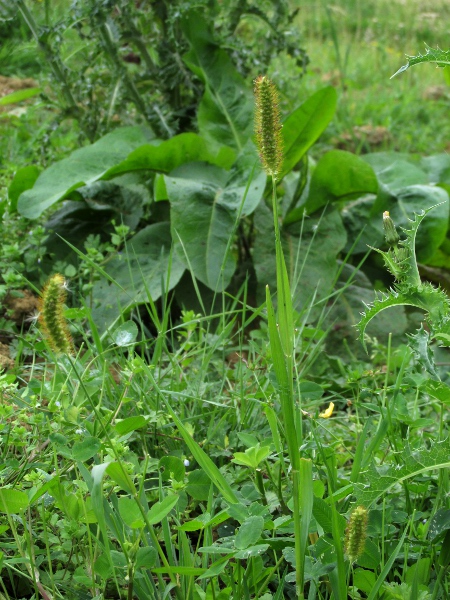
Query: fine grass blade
{"points": [[284, 381], [387, 567]]}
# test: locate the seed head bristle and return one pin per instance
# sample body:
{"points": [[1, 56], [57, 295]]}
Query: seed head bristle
{"points": [[268, 126], [51, 315], [355, 534]]}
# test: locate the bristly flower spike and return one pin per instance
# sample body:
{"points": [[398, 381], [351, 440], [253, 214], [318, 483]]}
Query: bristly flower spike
{"points": [[355, 534], [51, 315], [268, 126]]}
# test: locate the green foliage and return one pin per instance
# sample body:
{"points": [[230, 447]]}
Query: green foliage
{"points": [[441, 58], [211, 189], [209, 440], [401, 261], [107, 59]]}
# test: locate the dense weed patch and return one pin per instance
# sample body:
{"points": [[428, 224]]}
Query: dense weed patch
{"points": [[185, 409]]}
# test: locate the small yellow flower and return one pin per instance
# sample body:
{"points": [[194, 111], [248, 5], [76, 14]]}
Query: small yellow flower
{"points": [[326, 414]]}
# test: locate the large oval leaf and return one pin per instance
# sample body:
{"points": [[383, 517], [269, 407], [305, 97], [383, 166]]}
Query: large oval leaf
{"points": [[339, 176], [433, 229], [82, 167], [303, 127], [206, 204], [201, 229], [311, 249], [146, 268], [225, 114], [12, 501]]}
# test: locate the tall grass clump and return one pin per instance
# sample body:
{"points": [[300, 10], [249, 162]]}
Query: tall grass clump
{"points": [[281, 327]]}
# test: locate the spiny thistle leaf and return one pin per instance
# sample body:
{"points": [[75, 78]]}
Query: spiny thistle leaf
{"points": [[440, 57], [419, 344], [409, 290], [384, 301], [410, 463]]}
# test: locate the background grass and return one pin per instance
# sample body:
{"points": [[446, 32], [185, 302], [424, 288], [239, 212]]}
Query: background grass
{"points": [[357, 46], [212, 378]]}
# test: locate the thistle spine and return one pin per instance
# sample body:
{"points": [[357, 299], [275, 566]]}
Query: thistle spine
{"points": [[51, 317], [268, 126], [356, 532]]}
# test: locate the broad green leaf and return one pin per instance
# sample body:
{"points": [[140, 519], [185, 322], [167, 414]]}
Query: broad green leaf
{"points": [[206, 205], [311, 391], [395, 170], [441, 58], [355, 289], [48, 485], [19, 96], [363, 580], [339, 176], [322, 513], [122, 199], [161, 509], [121, 477], [437, 167], [139, 270], [245, 184], [86, 449], [225, 114], [444, 556], [125, 334], [103, 566], [172, 467], [249, 532], [371, 557], [118, 559], [146, 558], [420, 571], [12, 501], [215, 569], [97, 474], [193, 525], [170, 154], [438, 390], [433, 229], [411, 462], [24, 179], [198, 485], [252, 456], [304, 126], [311, 261], [252, 551], [130, 513], [204, 226], [439, 524], [82, 167], [130, 424]]}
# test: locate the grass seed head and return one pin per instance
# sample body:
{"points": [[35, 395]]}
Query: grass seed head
{"points": [[268, 126], [356, 532], [51, 315]]}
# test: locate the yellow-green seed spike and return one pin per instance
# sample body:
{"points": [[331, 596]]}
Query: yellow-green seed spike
{"points": [[355, 534], [268, 126], [51, 315]]}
